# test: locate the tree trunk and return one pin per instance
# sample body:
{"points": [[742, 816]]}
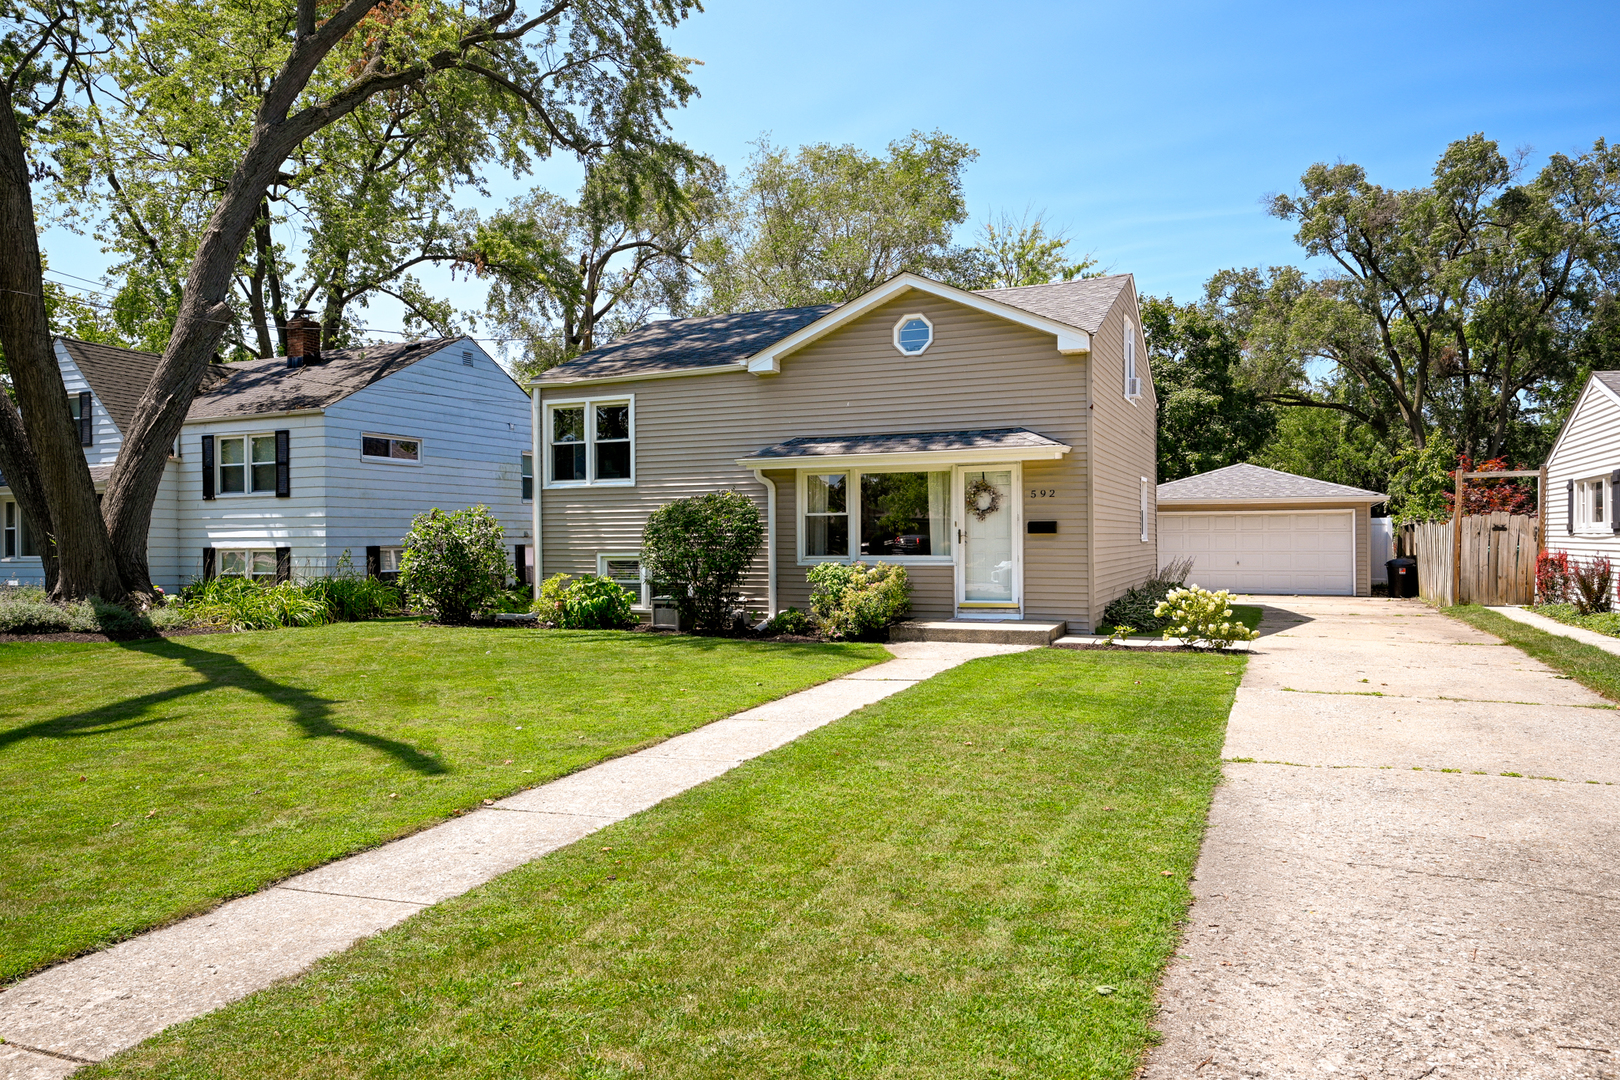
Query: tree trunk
{"points": [[47, 468]]}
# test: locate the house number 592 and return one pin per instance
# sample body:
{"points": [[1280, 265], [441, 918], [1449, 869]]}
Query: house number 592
{"points": [[1042, 493]]}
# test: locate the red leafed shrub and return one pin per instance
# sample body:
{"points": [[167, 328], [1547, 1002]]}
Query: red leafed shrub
{"points": [[1553, 583], [1594, 585], [1493, 496]]}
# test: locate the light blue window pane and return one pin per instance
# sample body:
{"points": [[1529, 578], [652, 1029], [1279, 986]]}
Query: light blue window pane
{"points": [[914, 336]]}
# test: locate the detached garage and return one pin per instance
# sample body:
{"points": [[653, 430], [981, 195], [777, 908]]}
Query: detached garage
{"points": [[1255, 530]]}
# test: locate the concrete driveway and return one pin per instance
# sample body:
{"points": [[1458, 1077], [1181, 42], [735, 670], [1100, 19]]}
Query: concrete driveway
{"points": [[1375, 898]]}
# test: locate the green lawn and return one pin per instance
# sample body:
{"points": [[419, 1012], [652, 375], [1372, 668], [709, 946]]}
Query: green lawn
{"points": [[933, 887], [1593, 668], [1602, 622], [145, 781]]}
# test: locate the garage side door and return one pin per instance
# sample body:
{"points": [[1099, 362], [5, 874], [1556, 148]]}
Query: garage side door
{"points": [[1290, 553]]}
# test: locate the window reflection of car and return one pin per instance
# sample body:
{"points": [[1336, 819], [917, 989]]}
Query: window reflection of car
{"points": [[907, 544]]}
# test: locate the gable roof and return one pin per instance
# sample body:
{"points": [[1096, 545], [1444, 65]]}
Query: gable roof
{"points": [[1252, 483], [677, 344], [1071, 310], [270, 386], [117, 376]]}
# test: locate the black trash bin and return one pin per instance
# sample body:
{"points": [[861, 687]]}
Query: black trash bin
{"points": [[1402, 577]]}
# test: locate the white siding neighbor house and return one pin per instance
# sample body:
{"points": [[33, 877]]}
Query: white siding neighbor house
{"points": [[1583, 474], [286, 464]]}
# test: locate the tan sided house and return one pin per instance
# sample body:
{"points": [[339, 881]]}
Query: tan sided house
{"points": [[999, 444]]}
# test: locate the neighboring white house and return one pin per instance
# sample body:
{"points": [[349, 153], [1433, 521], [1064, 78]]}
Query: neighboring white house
{"points": [[286, 463], [1583, 474]]}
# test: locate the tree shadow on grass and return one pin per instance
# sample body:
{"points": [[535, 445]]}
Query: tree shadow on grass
{"points": [[219, 669]]}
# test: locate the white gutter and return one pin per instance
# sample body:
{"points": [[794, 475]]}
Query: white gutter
{"points": [[537, 469], [770, 539]]}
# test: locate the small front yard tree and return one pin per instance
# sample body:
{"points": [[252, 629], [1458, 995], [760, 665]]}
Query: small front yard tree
{"points": [[454, 564], [698, 550]]}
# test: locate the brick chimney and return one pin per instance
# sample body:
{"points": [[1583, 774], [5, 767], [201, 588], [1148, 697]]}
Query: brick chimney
{"points": [[303, 339]]}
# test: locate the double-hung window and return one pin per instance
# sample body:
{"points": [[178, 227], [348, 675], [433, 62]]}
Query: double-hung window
{"points": [[255, 565], [247, 464], [591, 442], [393, 449], [18, 537], [528, 477], [1591, 505], [893, 516]]}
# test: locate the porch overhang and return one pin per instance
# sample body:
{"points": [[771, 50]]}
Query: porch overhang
{"points": [[924, 449]]}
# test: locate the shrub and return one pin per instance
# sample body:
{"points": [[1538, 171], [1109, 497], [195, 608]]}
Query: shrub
{"points": [[1200, 617], [596, 603], [549, 604], [698, 549], [855, 600], [1594, 585], [350, 596], [234, 603], [1553, 583], [788, 621], [454, 565], [27, 611], [1136, 607]]}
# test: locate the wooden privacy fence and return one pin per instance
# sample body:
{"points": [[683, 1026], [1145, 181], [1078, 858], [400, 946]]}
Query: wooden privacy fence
{"points": [[1498, 564]]}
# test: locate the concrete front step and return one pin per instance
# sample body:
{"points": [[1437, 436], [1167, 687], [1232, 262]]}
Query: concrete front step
{"points": [[980, 631]]}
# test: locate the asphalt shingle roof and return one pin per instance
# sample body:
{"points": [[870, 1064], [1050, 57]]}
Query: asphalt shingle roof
{"points": [[710, 341], [270, 386], [1254, 482], [1611, 379], [907, 443], [720, 340], [117, 376]]}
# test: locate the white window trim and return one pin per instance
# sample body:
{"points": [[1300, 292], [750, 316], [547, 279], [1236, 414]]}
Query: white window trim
{"points": [[247, 438], [853, 514], [589, 404], [602, 557], [1147, 509], [1131, 365], [901, 322], [421, 449], [1584, 525], [382, 553]]}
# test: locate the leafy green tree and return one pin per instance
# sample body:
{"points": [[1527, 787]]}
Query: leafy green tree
{"points": [[1011, 253], [1329, 446], [454, 565], [1450, 306], [587, 78], [566, 277], [1207, 420], [824, 224], [1422, 486], [699, 549]]}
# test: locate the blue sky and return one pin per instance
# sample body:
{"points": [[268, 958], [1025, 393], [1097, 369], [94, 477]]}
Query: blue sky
{"points": [[1149, 130]]}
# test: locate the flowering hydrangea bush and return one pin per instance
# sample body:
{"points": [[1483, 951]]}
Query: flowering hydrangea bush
{"points": [[1200, 617]]}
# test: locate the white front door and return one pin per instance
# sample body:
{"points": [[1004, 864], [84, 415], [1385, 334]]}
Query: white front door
{"points": [[990, 563]]}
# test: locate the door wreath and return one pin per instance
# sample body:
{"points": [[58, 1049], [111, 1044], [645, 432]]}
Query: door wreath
{"points": [[977, 492]]}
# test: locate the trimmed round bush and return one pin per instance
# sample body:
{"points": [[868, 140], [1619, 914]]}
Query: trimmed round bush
{"points": [[454, 565], [698, 550]]}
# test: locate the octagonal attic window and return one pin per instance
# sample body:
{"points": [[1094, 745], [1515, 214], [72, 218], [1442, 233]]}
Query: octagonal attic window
{"points": [[913, 334]]}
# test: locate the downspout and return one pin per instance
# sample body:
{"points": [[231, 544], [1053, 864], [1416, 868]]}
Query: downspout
{"points": [[537, 468], [770, 539]]}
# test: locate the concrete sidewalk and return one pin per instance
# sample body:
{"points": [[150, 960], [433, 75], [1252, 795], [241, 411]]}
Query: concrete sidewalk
{"points": [[88, 1009], [1553, 626], [1375, 896]]}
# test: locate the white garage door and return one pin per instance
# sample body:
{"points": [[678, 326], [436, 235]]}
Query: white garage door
{"points": [[1298, 553]]}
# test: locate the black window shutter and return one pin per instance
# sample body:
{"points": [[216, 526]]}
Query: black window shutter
{"points": [[208, 468], [283, 565], [517, 562], [283, 464], [1614, 499], [1569, 504], [374, 561], [208, 564], [86, 431]]}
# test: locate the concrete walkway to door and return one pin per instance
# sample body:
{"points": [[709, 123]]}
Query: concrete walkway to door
{"points": [[1393, 883]]}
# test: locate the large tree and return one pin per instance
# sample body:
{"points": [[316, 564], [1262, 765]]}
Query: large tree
{"points": [[826, 223], [1450, 305], [1206, 419], [590, 76]]}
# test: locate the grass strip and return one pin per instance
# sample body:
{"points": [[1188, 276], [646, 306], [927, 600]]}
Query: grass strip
{"points": [[145, 781], [1593, 668], [1599, 622], [981, 876]]}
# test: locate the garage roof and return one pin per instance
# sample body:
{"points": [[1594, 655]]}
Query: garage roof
{"points": [[1251, 483]]}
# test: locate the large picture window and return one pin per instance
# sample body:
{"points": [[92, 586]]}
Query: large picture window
{"points": [[887, 516], [591, 442], [247, 464]]}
